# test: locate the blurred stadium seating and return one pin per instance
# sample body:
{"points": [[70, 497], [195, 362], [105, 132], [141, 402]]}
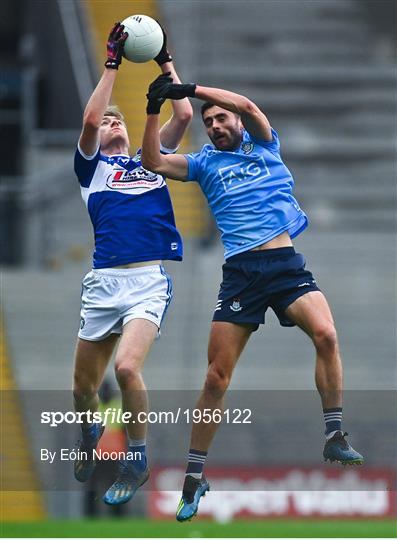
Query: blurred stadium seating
{"points": [[326, 76]]}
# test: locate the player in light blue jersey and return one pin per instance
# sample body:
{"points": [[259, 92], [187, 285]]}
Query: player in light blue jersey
{"points": [[249, 190], [128, 291]]}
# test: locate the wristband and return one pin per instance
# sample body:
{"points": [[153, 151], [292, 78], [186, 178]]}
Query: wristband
{"points": [[153, 107], [112, 64]]}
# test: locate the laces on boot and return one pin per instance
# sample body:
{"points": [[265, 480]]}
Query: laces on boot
{"points": [[189, 488]]}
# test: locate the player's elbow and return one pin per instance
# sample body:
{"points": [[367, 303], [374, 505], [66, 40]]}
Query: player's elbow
{"points": [[150, 164], [92, 121], [247, 107], [185, 116], [146, 162]]}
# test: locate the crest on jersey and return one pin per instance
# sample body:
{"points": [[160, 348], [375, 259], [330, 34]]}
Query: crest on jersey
{"points": [[247, 147], [236, 305]]}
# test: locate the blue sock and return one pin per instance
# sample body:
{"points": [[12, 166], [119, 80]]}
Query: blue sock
{"points": [[138, 448], [195, 463], [89, 431], [333, 420]]}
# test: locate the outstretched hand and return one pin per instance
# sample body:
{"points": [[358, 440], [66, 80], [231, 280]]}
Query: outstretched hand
{"points": [[115, 46], [179, 91], [163, 88], [164, 55], [162, 82], [156, 91]]}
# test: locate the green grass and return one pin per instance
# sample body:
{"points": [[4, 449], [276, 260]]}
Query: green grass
{"points": [[138, 528]]}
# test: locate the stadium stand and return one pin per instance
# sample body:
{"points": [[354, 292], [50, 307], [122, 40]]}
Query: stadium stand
{"points": [[17, 463], [327, 82], [326, 76]]}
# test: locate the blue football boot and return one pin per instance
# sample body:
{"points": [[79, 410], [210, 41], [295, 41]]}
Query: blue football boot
{"points": [[84, 464], [193, 490], [126, 484], [338, 449]]}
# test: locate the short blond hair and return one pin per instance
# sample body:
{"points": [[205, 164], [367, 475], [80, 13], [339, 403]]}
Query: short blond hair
{"points": [[113, 110]]}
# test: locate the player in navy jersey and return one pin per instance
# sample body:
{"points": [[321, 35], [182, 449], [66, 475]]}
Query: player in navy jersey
{"points": [[128, 291], [249, 190]]}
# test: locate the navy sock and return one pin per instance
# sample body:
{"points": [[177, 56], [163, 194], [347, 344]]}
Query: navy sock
{"points": [[138, 448], [196, 462], [333, 420]]}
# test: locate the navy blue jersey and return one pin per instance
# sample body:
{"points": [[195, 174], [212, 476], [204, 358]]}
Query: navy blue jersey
{"points": [[130, 209]]}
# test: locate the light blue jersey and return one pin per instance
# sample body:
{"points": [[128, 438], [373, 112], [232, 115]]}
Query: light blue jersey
{"points": [[249, 192]]}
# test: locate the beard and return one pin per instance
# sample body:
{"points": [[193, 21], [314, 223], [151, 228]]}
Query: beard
{"points": [[230, 142]]}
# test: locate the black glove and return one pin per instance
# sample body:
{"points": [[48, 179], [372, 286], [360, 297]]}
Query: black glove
{"points": [[115, 46], [155, 94], [179, 91], [164, 55]]}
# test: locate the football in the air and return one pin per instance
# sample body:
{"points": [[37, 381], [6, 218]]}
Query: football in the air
{"points": [[145, 38]]}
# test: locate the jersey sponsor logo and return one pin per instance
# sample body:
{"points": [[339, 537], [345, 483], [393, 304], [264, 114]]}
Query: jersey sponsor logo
{"points": [[236, 305], [243, 173], [137, 179]]}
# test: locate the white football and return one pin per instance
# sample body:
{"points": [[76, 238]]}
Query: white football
{"points": [[145, 38]]}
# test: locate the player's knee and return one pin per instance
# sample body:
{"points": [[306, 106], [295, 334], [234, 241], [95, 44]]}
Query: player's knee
{"points": [[83, 388], [127, 374], [217, 381], [325, 339]]}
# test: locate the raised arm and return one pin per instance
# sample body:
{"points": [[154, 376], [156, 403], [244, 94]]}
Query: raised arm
{"points": [[172, 131], [252, 118], [100, 98], [170, 165]]}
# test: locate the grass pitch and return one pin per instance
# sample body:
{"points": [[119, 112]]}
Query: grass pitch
{"points": [[141, 528]]}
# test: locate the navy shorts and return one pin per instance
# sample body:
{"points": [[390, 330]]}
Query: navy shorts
{"points": [[256, 280]]}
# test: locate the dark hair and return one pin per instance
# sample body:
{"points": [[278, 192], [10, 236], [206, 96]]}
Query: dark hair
{"points": [[205, 106]]}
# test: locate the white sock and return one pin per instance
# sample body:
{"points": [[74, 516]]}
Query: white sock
{"points": [[136, 442], [195, 475], [331, 434]]}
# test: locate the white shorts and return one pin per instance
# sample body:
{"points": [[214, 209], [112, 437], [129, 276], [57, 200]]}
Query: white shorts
{"points": [[111, 297]]}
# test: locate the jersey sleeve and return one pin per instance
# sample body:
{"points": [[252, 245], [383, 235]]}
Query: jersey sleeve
{"points": [[193, 166], [273, 145], [165, 150], [84, 166]]}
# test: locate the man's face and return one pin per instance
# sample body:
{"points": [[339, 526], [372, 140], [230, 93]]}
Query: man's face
{"points": [[113, 131], [223, 127]]}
